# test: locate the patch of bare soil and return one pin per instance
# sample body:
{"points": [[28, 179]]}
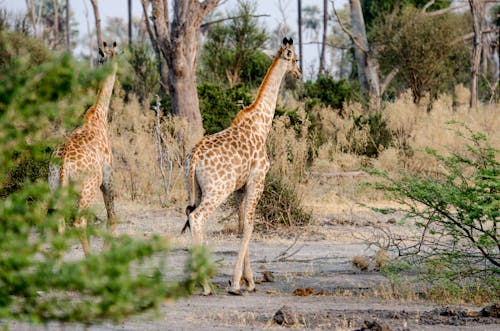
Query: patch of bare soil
{"points": [[306, 280]]}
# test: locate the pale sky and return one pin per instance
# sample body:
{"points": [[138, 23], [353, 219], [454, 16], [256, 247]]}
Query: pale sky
{"points": [[118, 8]]}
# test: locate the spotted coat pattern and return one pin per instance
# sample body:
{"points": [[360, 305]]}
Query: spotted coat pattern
{"points": [[235, 160], [86, 158]]}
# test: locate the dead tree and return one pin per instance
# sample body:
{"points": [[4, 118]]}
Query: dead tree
{"points": [[177, 43], [97, 16], [323, 42]]}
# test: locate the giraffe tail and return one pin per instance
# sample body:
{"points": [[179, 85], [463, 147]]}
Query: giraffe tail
{"points": [[192, 193], [189, 209]]}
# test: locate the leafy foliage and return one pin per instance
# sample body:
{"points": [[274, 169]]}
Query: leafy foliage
{"points": [[219, 105], [280, 205], [329, 92], [457, 210], [39, 280], [377, 135], [232, 53], [374, 9], [424, 50], [144, 77]]}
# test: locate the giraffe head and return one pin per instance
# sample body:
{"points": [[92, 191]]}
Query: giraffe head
{"points": [[106, 52], [288, 54]]}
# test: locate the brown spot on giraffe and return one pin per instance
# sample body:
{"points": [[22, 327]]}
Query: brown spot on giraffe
{"points": [[235, 160], [85, 156]]}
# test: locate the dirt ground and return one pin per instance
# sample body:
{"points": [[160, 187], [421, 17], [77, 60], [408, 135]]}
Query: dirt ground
{"points": [[315, 263]]}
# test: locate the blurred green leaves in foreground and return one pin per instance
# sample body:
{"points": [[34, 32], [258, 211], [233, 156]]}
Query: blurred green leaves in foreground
{"points": [[40, 281]]}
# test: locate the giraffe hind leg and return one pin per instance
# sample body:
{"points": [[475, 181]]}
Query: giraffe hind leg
{"points": [[108, 193]]}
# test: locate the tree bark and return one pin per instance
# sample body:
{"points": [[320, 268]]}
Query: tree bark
{"points": [[97, 16], [323, 43], [55, 28], [366, 62], [129, 23], [301, 63], [178, 45], [477, 10], [68, 45]]}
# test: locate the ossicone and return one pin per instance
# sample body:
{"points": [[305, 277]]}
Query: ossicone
{"points": [[287, 41]]}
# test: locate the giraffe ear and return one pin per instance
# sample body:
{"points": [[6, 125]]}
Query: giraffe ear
{"points": [[285, 41], [290, 41], [101, 53], [105, 44], [114, 44]]}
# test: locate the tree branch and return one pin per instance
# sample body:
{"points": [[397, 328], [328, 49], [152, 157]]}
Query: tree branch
{"points": [[230, 18], [444, 10], [347, 31], [388, 79], [427, 5]]}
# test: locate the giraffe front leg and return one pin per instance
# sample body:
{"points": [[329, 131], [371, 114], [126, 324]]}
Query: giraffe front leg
{"points": [[108, 193]]}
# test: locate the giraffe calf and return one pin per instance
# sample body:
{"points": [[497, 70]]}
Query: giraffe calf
{"points": [[235, 160]]}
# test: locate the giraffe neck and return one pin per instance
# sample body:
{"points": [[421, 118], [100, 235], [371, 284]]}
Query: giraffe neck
{"points": [[260, 113], [101, 105]]}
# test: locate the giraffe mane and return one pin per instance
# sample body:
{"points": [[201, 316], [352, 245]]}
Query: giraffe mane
{"points": [[239, 117]]}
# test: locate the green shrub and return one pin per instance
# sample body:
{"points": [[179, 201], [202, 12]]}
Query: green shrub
{"points": [[232, 53], [280, 205], [457, 211], [36, 283], [329, 92], [376, 137], [143, 78], [219, 105]]}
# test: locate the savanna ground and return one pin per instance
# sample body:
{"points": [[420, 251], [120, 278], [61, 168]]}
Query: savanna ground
{"points": [[309, 269]]}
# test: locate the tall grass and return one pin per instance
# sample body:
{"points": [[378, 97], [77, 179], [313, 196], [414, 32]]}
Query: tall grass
{"points": [[300, 144]]}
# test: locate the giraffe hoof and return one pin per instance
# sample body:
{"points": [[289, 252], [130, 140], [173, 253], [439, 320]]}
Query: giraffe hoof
{"points": [[235, 292]]}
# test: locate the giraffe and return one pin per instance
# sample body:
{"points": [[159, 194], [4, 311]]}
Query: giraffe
{"points": [[85, 156], [235, 160]]}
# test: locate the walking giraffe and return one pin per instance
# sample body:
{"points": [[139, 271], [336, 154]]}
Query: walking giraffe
{"points": [[235, 160], [86, 158]]}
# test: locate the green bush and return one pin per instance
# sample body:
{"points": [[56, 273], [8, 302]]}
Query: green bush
{"points": [[219, 105], [143, 78], [376, 138], [280, 205], [328, 91], [232, 53], [38, 283], [457, 211]]}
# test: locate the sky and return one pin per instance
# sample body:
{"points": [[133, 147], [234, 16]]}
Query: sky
{"points": [[118, 8]]}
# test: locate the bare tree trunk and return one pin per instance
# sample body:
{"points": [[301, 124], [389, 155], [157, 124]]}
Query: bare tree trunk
{"points": [[55, 28], [178, 45], [33, 16], [188, 16], [91, 54], [129, 23], [68, 46], [323, 43], [477, 10], [97, 16], [300, 35], [162, 64], [366, 63]]}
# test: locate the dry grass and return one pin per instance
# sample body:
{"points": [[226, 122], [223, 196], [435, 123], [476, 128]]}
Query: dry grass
{"points": [[361, 262], [138, 175], [294, 155]]}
